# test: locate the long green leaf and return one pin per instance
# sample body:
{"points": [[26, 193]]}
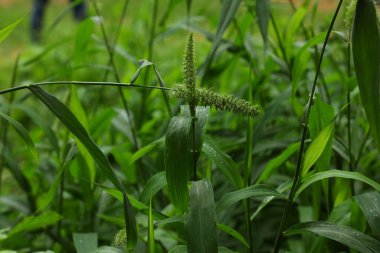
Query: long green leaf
{"points": [[201, 221], [35, 222], [146, 149], [151, 245], [233, 233], [252, 191], [23, 134], [178, 160], [154, 184], [229, 10], [317, 147], [345, 235], [77, 109], [263, 16], [273, 164], [223, 162], [83, 37], [4, 33], [69, 154], [308, 180], [76, 128], [85, 243], [370, 205], [366, 55], [321, 114], [37, 119]]}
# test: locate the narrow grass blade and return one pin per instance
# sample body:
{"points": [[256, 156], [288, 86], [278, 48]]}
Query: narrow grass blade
{"points": [[75, 127], [345, 235], [6, 31], [178, 160], [201, 220], [69, 154], [308, 180], [151, 246], [276, 162], [154, 185], [35, 222], [233, 233], [366, 55], [263, 16], [301, 60], [83, 37], [23, 134], [145, 150], [292, 28], [370, 205], [100, 122], [144, 64], [135, 203], [85, 243], [223, 162], [321, 114], [77, 109], [38, 120], [229, 10], [317, 147], [252, 191], [178, 249]]}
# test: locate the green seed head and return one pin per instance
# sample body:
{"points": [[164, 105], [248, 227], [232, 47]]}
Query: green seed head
{"points": [[208, 97], [121, 238], [350, 13], [189, 73]]}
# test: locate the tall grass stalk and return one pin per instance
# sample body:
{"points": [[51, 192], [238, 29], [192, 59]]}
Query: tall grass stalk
{"points": [[350, 162], [315, 54], [117, 34], [248, 158], [4, 123], [297, 176], [152, 35], [83, 83], [117, 78]]}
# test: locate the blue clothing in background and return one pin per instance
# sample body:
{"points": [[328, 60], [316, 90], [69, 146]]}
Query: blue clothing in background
{"points": [[39, 6]]}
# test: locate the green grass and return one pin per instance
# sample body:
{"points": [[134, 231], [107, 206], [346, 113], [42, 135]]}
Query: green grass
{"points": [[258, 133]]}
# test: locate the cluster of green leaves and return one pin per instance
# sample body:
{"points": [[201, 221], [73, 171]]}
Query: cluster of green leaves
{"points": [[114, 163]]}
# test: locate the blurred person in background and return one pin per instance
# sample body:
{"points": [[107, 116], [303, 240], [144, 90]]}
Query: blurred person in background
{"points": [[39, 6]]}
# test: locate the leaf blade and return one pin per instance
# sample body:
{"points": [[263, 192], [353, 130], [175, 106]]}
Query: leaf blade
{"points": [[75, 127], [343, 234], [366, 55]]}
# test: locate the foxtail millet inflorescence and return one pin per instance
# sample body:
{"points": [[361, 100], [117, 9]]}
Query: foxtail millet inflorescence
{"points": [[189, 74], [227, 102], [194, 95]]}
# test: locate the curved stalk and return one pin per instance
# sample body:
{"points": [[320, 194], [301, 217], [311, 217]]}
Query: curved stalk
{"points": [[297, 176]]}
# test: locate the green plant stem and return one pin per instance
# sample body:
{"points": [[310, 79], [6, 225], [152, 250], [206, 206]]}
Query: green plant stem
{"points": [[297, 176], [280, 42], [316, 54], [194, 148], [118, 30], [117, 78], [152, 35], [350, 162], [248, 159], [4, 122], [361, 149], [83, 83]]}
